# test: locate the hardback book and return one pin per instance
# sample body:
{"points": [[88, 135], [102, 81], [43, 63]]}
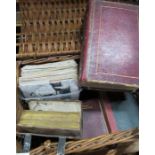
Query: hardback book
{"points": [[94, 123], [61, 118], [58, 80], [110, 58], [121, 112]]}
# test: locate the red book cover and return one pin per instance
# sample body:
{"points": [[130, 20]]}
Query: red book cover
{"points": [[94, 123], [110, 57]]}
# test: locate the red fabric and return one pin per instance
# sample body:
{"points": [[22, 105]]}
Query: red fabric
{"points": [[111, 51]]}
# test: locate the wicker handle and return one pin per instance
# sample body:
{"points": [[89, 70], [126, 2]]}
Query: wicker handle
{"points": [[88, 145]]}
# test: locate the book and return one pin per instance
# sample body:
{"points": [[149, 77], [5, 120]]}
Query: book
{"points": [[62, 118], [121, 111], [110, 58], [57, 105], [58, 80], [94, 123], [93, 120]]}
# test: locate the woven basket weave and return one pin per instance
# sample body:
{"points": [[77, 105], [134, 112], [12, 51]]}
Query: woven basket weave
{"points": [[49, 28], [91, 145], [50, 4]]}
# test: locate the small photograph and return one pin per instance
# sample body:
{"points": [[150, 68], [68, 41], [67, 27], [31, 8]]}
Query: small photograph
{"points": [[61, 88]]}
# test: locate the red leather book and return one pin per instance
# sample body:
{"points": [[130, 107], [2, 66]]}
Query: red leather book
{"points": [[94, 123], [110, 57]]}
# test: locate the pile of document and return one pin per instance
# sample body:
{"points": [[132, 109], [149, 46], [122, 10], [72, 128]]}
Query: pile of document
{"points": [[52, 118], [57, 80]]}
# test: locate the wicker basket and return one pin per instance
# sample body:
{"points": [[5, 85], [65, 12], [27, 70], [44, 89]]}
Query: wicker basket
{"points": [[41, 39], [111, 144], [48, 4], [49, 28]]}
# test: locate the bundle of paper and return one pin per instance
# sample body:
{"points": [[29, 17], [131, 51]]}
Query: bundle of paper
{"points": [[52, 118], [64, 106], [49, 81]]}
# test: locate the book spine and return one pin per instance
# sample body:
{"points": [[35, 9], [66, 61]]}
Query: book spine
{"points": [[86, 40], [109, 116]]}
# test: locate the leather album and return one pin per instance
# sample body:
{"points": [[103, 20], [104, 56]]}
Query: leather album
{"points": [[110, 58]]}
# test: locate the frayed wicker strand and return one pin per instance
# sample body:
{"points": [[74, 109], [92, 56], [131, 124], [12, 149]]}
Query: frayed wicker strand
{"points": [[88, 145]]}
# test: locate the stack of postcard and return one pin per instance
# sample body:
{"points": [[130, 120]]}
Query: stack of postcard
{"points": [[49, 81]]}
